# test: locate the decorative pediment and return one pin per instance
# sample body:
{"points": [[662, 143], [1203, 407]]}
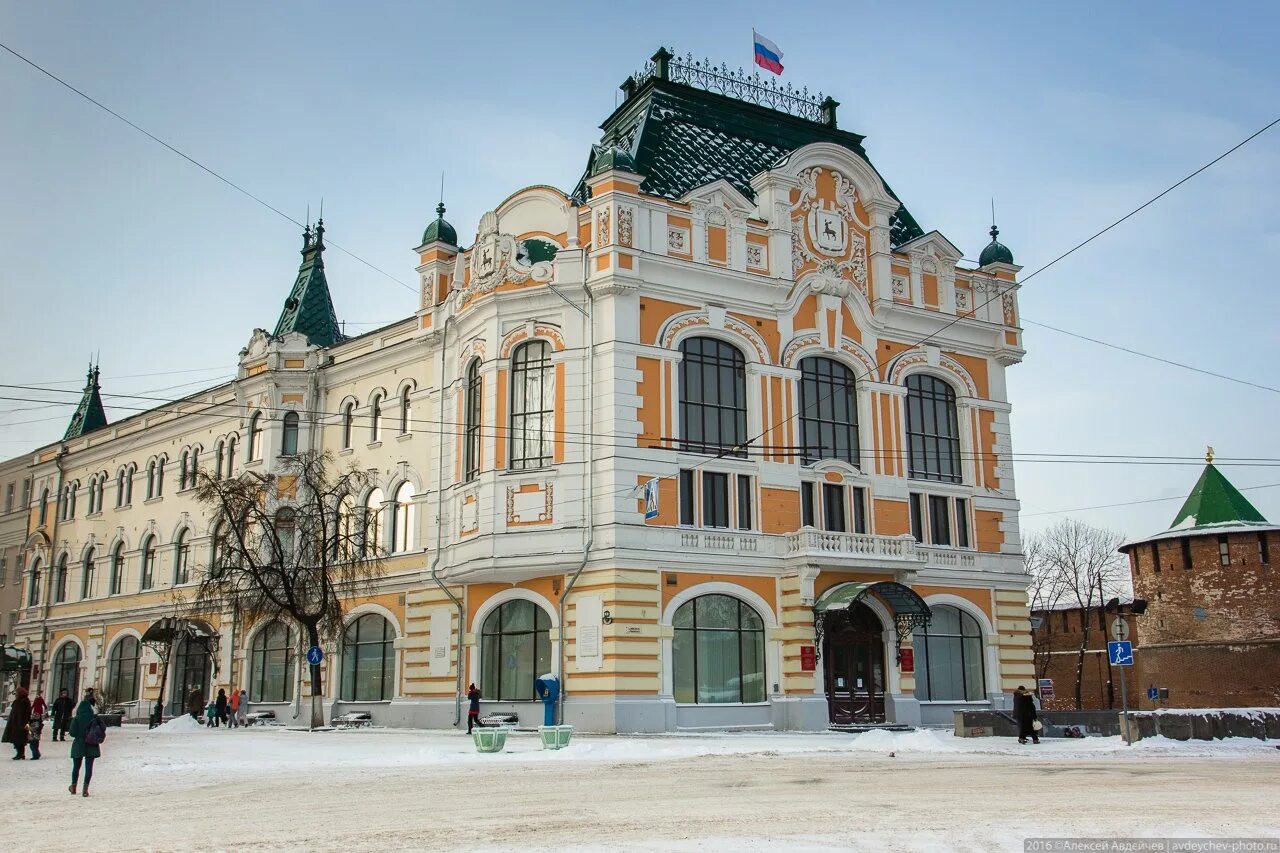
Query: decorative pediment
{"points": [[933, 248], [722, 195]]}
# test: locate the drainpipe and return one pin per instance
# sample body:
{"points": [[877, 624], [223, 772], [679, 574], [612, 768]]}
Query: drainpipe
{"points": [[435, 561], [589, 526]]}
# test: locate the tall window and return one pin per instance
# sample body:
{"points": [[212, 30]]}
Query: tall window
{"points": [[347, 527], [368, 660], [184, 465], [287, 533], [218, 453], [120, 501], [717, 651], [232, 441], [532, 406], [116, 576], [60, 581], [160, 476], [86, 574], [713, 397], [348, 419], [254, 437], [151, 479], [375, 418], [828, 410], [373, 523], [44, 506], [148, 563], [220, 557], [949, 653], [182, 559], [33, 591], [471, 428], [66, 669], [402, 519], [271, 665], [406, 411], [195, 466], [515, 648], [933, 433], [122, 671], [289, 435]]}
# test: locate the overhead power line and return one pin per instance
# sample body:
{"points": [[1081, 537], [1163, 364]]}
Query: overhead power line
{"points": [[1131, 503]]}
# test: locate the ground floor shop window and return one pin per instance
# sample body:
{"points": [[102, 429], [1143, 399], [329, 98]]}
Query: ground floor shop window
{"points": [[368, 660], [122, 671], [949, 657], [271, 665], [66, 670], [192, 660], [515, 648], [717, 651]]}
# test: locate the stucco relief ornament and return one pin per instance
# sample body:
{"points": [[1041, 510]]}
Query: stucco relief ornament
{"points": [[604, 233], [962, 299], [899, 286], [495, 259], [626, 218], [1007, 301]]}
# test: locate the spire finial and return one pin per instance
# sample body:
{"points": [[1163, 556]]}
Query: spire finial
{"points": [[320, 233], [994, 230], [1208, 455]]}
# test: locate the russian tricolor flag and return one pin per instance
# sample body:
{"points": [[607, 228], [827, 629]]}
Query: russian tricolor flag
{"points": [[767, 54]]}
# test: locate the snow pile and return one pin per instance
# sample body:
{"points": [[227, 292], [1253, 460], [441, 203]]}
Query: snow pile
{"points": [[917, 740], [179, 725]]}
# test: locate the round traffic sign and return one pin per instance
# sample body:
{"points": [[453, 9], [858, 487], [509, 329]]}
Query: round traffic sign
{"points": [[315, 655], [1119, 629]]}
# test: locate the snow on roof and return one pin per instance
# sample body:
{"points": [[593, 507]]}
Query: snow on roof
{"points": [[1219, 529]]}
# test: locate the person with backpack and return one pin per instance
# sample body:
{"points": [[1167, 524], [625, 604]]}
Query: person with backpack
{"points": [[63, 707], [16, 726], [87, 735]]}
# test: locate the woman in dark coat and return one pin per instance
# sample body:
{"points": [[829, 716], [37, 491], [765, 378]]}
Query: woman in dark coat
{"points": [[473, 708], [1024, 711], [220, 707], [15, 730], [81, 751], [195, 703]]}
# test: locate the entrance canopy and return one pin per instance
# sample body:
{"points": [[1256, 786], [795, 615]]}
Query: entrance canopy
{"points": [[908, 608], [15, 659], [171, 628]]}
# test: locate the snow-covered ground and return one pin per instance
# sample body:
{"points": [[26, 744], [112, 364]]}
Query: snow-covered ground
{"points": [[186, 788]]}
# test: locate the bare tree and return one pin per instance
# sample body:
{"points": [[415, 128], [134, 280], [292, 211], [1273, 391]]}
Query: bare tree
{"points": [[291, 546], [1045, 591], [1080, 566]]}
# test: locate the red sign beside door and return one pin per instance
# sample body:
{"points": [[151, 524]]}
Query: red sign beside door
{"points": [[808, 659], [907, 660]]}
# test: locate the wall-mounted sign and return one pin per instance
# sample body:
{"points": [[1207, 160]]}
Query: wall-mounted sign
{"points": [[907, 660], [808, 659]]}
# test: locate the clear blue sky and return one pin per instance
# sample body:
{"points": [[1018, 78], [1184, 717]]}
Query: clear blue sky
{"points": [[1069, 116]]}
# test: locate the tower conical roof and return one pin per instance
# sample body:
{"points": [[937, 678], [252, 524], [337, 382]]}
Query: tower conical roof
{"points": [[89, 415], [1215, 501], [309, 308]]}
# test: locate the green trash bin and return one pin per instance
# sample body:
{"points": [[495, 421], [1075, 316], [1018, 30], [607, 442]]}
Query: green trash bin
{"points": [[490, 740], [555, 737]]}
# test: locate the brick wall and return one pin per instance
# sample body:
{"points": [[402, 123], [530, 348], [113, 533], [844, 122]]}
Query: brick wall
{"points": [[1057, 642]]}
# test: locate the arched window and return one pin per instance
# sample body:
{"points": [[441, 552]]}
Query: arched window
{"points": [[254, 436], [120, 492], [218, 452], [116, 577], [532, 405], [60, 581], [375, 418], [406, 411], [348, 419], [44, 506], [828, 411], [151, 479], [195, 466], [402, 519], [713, 397], [33, 591], [949, 657], [717, 651], [129, 474], [148, 563], [289, 435], [232, 441], [471, 428], [346, 533], [220, 558], [515, 648], [368, 660], [86, 574], [184, 465], [933, 433], [182, 559], [373, 523], [271, 665], [160, 477], [66, 670], [286, 526], [122, 671]]}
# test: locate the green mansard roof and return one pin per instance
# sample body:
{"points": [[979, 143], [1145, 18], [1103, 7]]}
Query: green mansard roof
{"points": [[309, 308], [679, 137], [89, 415]]}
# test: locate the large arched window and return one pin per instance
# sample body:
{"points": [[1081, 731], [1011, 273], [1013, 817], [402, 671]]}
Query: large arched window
{"points": [[515, 648], [713, 397], [368, 660], [86, 574], [66, 670], [182, 558], [254, 436], [717, 651], [828, 410], [289, 435], [949, 657], [471, 427], [373, 523], [148, 578], [33, 591], [116, 577], [933, 432], [60, 580], [348, 420], [122, 671], [402, 519], [375, 418], [406, 411], [532, 405], [271, 665]]}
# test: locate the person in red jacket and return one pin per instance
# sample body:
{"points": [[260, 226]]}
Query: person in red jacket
{"points": [[38, 706], [233, 703]]}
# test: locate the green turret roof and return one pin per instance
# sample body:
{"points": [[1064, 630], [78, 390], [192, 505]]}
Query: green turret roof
{"points": [[1214, 501], [440, 230], [89, 414], [995, 252], [309, 308]]}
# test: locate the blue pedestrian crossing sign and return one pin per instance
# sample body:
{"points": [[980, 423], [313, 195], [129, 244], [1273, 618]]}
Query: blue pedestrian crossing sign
{"points": [[1120, 652], [315, 655], [1153, 693]]}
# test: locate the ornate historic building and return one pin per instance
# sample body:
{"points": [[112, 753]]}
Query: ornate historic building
{"points": [[721, 436]]}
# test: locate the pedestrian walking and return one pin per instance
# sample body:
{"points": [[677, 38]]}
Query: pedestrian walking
{"points": [[16, 727], [1024, 711], [34, 729], [195, 704], [38, 707], [473, 707], [87, 735], [242, 709], [233, 706], [63, 707], [220, 706], [211, 714]]}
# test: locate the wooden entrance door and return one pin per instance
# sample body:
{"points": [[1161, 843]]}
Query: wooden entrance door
{"points": [[853, 666]]}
